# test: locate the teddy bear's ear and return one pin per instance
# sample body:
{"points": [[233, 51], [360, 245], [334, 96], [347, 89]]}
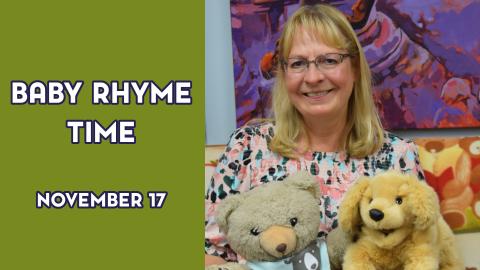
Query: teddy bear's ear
{"points": [[226, 208], [305, 181], [349, 211], [423, 202]]}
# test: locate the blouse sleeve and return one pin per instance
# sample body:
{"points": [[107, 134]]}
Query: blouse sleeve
{"points": [[232, 175], [408, 161]]}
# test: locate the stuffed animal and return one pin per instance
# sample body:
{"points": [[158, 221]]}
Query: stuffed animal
{"points": [[275, 226], [337, 242], [397, 224]]}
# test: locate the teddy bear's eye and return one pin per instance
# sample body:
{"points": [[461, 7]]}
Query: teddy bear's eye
{"points": [[398, 200], [293, 221], [370, 200], [475, 148], [255, 231]]}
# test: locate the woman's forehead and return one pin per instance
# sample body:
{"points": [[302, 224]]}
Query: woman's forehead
{"points": [[308, 39], [304, 37]]}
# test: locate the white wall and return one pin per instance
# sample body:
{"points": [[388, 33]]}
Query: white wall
{"points": [[469, 246], [219, 100]]}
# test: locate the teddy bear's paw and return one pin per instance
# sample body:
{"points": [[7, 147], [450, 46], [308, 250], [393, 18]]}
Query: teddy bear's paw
{"points": [[215, 267], [227, 266]]}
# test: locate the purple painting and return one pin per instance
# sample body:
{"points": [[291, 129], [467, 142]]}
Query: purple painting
{"points": [[424, 56]]}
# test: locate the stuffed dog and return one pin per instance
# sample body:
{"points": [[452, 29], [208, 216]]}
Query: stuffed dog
{"points": [[396, 222]]}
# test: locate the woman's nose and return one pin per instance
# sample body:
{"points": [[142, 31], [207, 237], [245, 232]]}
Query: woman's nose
{"points": [[313, 74]]}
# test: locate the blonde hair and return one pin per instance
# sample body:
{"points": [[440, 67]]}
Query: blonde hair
{"points": [[364, 132]]}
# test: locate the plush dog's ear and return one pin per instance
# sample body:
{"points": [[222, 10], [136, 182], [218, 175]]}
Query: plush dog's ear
{"points": [[305, 181], [349, 211], [423, 202], [225, 208]]}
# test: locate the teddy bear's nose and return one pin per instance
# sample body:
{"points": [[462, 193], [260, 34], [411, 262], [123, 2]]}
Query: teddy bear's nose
{"points": [[281, 248], [376, 214]]}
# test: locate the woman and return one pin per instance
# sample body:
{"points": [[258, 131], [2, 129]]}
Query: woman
{"points": [[325, 122]]}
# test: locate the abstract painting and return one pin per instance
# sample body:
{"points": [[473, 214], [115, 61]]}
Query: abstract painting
{"points": [[424, 56]]}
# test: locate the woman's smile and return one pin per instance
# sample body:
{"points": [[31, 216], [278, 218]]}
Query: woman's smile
{"points": [[314, 95]]}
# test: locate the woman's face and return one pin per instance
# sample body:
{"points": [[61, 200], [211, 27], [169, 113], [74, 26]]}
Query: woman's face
{"points": [[319, 93]]}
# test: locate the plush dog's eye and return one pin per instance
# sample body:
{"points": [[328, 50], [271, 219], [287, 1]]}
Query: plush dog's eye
{"points": [[255, 231], [370, 200], [293, 221], [398, 200]]}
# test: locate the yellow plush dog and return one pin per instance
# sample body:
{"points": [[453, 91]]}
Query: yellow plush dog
{"points": [[396, 221]]}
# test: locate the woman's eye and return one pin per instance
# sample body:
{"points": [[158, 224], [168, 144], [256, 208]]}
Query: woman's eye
{"points": [[293, 221], [297, 64], [398, 200], [330, 61], [255, 231]]}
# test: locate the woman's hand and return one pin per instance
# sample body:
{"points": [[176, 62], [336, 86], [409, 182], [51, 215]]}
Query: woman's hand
{"points": [[217, 263], [210, 260]]}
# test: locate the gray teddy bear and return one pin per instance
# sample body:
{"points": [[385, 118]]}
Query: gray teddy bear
{"points": [[275, 226]]}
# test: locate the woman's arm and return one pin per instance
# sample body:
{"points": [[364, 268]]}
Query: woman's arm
{"points": [[210, 260], [232, 175]]}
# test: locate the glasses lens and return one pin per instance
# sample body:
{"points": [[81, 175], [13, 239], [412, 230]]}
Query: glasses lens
{"points": [[329, 61], [296, 65]]}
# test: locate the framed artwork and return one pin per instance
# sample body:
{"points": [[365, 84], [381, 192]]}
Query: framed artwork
{"points": [[452, 168], [424, 57]]}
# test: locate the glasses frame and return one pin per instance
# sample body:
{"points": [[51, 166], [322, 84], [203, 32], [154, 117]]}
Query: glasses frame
{"points": [[314, 61]]}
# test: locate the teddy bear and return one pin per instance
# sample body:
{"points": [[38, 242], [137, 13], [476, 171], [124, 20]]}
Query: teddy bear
{"points": [[397, 224], [275, 226]]}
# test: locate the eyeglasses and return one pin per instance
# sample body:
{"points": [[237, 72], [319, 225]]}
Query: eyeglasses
{"points": [[322, 62]]}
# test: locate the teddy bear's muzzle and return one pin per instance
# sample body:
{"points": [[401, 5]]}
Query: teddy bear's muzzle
{"points": [[278, 241]]}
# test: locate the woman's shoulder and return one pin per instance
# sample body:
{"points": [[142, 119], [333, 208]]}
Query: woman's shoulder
{"points": [[391, 138], [263, 130], [395, 143]]}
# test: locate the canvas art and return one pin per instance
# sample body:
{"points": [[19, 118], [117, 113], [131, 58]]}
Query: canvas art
{"points": [[452, 168], [424, 56]]}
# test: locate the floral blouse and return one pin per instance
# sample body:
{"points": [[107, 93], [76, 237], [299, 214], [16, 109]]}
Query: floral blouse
{"points": [[248, 162]]}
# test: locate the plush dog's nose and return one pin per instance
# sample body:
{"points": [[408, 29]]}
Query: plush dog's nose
{"points": [[281, 248], [376, 214]]}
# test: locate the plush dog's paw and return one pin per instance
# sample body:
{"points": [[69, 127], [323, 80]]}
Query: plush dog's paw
{"points": [[427, 265], [227, 266], [358, 266]]}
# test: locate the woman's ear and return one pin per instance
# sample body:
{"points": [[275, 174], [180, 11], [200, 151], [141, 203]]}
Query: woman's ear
{"points": [[349, 211], [423, 202]]}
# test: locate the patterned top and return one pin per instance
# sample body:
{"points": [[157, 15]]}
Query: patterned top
{"points": [[248, 162]]}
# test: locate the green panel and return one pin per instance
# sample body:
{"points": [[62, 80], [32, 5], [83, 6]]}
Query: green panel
{"points": [[102, 40]]}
